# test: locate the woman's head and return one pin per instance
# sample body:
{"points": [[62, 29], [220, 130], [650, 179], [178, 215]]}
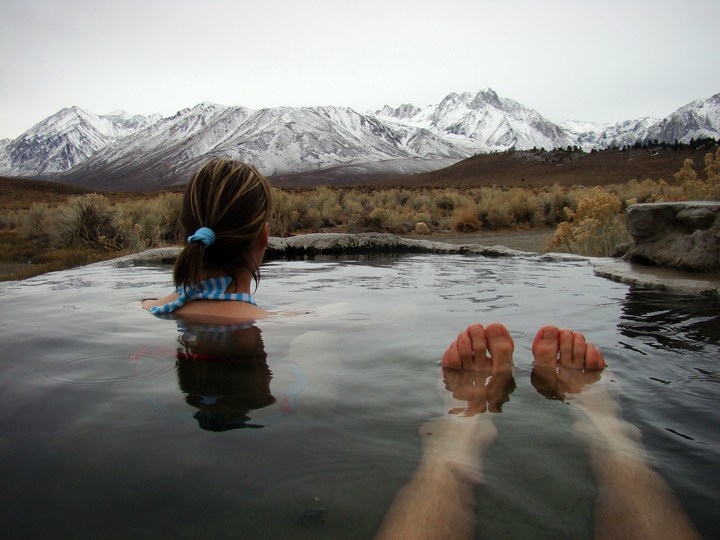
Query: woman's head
{"points": [[233, 200]]}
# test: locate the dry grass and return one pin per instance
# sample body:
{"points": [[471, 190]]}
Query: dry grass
{"points": [[22, 258], [58, 232]]}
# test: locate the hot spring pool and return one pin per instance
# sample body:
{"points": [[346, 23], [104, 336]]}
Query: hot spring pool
{"points": [[107, 434]]}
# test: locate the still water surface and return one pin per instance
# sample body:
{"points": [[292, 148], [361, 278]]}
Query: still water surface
{"points": [[108, 431]]}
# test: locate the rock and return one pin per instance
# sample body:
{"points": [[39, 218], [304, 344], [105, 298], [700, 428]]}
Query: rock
{"points": [[308, 245], [336, 244], [340, 244], [682, 235], [422, 228], [621, 250], [150, 257], [654, 277]]}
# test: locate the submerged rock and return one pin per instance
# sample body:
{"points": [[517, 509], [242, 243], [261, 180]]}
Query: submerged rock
{"points": [[681, 235]]}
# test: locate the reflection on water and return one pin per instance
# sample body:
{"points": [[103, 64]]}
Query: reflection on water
{"points": [[97, 398], [480, 390], [223, 371], [670, 321], [671, 380]]}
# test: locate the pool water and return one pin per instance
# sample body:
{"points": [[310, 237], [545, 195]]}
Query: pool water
{"points": [[114, 424]]}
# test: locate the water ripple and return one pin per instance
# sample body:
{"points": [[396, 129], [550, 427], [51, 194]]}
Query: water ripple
{"points": [[107, 369]]}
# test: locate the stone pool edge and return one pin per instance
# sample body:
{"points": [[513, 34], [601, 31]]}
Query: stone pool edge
{"points": [[340, 244]]}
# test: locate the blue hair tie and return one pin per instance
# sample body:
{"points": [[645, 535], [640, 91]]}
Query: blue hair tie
{"points": [[204, 235]]}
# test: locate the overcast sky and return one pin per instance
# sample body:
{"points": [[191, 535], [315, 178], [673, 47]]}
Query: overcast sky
{"points": [[601, 61]]}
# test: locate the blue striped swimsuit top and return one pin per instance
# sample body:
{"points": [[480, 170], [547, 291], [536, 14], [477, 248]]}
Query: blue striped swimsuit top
{"points": [[210, 289]]}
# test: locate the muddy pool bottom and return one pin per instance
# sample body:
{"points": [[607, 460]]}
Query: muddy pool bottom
{"points": [[118, 424]]}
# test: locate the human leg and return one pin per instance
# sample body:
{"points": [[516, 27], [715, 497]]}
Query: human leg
{"points": [[439, 500], [633, 500]]}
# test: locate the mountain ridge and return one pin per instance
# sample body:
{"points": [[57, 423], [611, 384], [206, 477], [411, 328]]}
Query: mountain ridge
{"points": [[118, 151]]}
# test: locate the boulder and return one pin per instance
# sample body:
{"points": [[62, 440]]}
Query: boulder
{"points": [[682, 235], [422, 228]]}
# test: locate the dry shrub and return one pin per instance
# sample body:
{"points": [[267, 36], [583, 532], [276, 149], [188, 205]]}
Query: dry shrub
{"points": [[417, 217], [353, 205], [420, 201], [85, 221], [383, 220], [378, 220], [694, 187], [446, 201], [594, 229], [326, 202], [639, 192], [151, 222], [308, 211], [465, 219], [712, 167], [285, 217], [169, 208], [553, 202], [310, 219], [494, 209], [525, 208], [36, 223], [12, 219]]}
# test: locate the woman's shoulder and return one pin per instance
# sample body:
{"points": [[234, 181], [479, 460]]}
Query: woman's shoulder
{"points": [[213, 309]]}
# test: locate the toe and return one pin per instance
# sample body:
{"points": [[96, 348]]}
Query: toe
{"points": [[465, 349], [479, 347], [566, 347], [594, 359], [451, 358], [545, 346], [501, 346], [579, 349]]}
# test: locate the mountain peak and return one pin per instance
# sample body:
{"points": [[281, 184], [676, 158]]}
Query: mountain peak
{"points": [[404, 111], [487, 96]]}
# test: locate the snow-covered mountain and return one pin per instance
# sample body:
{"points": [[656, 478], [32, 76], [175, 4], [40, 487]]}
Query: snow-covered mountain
{"points": [[588, 135], [278, 140], [66, 139], [120, 151], [698, 119], [482, 122]]}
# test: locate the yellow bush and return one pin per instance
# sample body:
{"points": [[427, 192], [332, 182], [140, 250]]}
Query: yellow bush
{"points": [[594, 229], [465, 219], [696, 188]]}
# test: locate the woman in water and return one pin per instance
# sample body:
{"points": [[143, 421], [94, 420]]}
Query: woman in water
{"points": [[226, 209]]}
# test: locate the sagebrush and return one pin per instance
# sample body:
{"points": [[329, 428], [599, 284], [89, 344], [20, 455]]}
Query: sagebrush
{"points": [[588, 220]]}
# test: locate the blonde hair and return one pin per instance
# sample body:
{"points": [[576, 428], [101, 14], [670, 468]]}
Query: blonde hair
{"points": [[234, 200]]}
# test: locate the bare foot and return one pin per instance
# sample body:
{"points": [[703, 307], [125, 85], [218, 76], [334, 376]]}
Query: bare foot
{"points": [[477, 369], [481, 349], [564, 362]]}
